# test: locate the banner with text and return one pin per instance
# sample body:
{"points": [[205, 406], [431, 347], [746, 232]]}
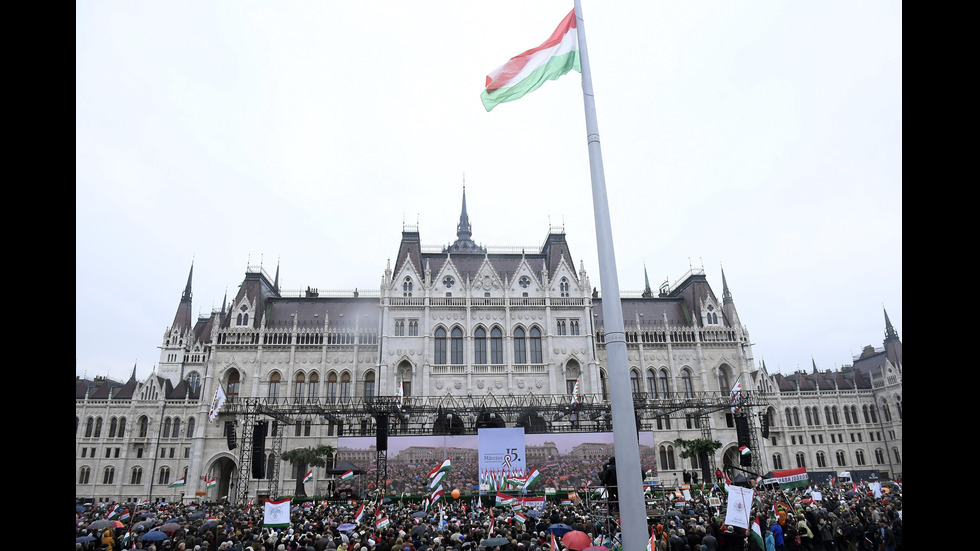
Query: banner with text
{"points": [[501, 455]]}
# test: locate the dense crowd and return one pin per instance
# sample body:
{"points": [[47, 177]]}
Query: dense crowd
{"points": [[841, 519]]}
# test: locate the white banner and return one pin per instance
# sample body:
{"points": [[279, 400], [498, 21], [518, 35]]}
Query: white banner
{"points": [[276, 513], [501, 452], [739, 505]]}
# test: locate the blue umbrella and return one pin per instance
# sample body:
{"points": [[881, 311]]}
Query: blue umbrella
{"points": [[154, 535], [346, 527], [84, 539], [559, 529]]}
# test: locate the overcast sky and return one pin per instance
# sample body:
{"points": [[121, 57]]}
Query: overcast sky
{"points": [[763, 137]]}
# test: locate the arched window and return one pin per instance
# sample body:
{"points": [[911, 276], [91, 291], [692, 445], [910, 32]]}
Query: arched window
{"points": [[809, 419], [122, 427], [687, 384], [664, 384], [407, 287], [314, 386], [112, 427], [724, 383], [827, 416], [144, 426], [821, 459], [439, 352], [456, 348], [194, 381], [164, 477], [275, 381], [898, 457], [841, 458], [800, 460], [369, 385], [859, 457], [520, 350], [847, 415], [635, 381], [108, 474], [886, 411], [816, 416], [879, 456], [777, 461], [898, 407], [536, 355], [867, 418], [98, 427], [300, 386], [796, 417], [563, 286], [854, 415], [667, 457], [83, 475], [234, 384], [496, 346], [176, 431], [603, 382], [137, 476], [166, 427], [480, 346], [874, 413], [345, 387], [836, 417], [789, 417], [190, 427], [332, 387], [651, 383]]}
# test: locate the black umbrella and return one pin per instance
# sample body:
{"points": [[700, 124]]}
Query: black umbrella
{"points": [[493, 542], [674, 513], [420, 514], [850, 493], [197, 515], [100, 524], [418, 530]]}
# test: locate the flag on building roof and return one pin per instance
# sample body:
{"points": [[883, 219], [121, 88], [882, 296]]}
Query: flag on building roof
{"points": [[526, 72], [217, 403], [177, 483], [309, 476], [349, 475]]}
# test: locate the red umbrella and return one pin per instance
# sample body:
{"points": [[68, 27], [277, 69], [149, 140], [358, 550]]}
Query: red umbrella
{"points": [[576, 539]]}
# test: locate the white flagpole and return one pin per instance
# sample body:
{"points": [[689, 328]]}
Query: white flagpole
{"points": [[632, 509]]}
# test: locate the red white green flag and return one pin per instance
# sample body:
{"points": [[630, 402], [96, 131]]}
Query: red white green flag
{"points": [[526, 72], [345, 477], [381, 524], [360, 514], [177, 483], [757, 533], [308, 477]]}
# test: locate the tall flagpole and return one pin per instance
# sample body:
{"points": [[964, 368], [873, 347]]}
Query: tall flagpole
{"points": [[632, 508]]}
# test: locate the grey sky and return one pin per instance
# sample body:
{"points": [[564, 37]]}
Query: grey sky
{"points": [[765, 137]]}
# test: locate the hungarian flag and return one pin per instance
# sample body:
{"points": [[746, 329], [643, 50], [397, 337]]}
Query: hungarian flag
{"points": [[383, 523], [577, 389], [217, 403], [735, 396], [436, 495], [526, 72], [520, 518], [554, 544], [532, 478], [248, 508], [125, 515], [792, 478], [359, 514], [439, 473], [504, 499], [400, 392], [744, 450], [177, 483], [309, 476], [757, 533], [113, 511]]}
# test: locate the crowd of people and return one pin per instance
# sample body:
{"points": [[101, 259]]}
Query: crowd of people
{"points": [[819, 518]]}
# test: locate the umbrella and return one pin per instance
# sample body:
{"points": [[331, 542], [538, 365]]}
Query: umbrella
{"points": [[534, 513], [154, 535], [674, 513], [79, 509], [851, 494], [84, 539], [197, 515], [142, 526], [101, 524], [559, 529], [169, 528], [596, 548], [418, 530], [576, 539], [492, 542], [346, 527], [420, 514]]}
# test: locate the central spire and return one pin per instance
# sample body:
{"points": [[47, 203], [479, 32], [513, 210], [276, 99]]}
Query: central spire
{"points": [[464, 232]]}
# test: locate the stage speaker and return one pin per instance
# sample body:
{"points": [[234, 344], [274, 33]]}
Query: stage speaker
{"points": [[765, 426], [742, 430], [230, 434], [258, 449], [382, 435]]}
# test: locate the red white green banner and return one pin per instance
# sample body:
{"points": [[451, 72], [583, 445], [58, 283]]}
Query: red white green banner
{"points": [[276, 513], [790, 478]]}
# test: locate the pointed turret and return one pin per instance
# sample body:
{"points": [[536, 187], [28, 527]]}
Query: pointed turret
{"points": [[893, 344], [647, 293], [464, 233], [275, 284], [726, 295], [814, 362], [183, 318], [727, 303], [133, 376]]}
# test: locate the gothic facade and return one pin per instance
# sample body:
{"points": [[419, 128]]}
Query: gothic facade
{"points": [[464, 321]]}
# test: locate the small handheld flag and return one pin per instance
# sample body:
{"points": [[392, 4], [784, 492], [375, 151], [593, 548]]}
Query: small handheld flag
{"points": [[308, 477]]}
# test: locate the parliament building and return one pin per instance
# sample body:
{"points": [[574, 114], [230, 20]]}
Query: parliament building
{"points": [[457, 338]]}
